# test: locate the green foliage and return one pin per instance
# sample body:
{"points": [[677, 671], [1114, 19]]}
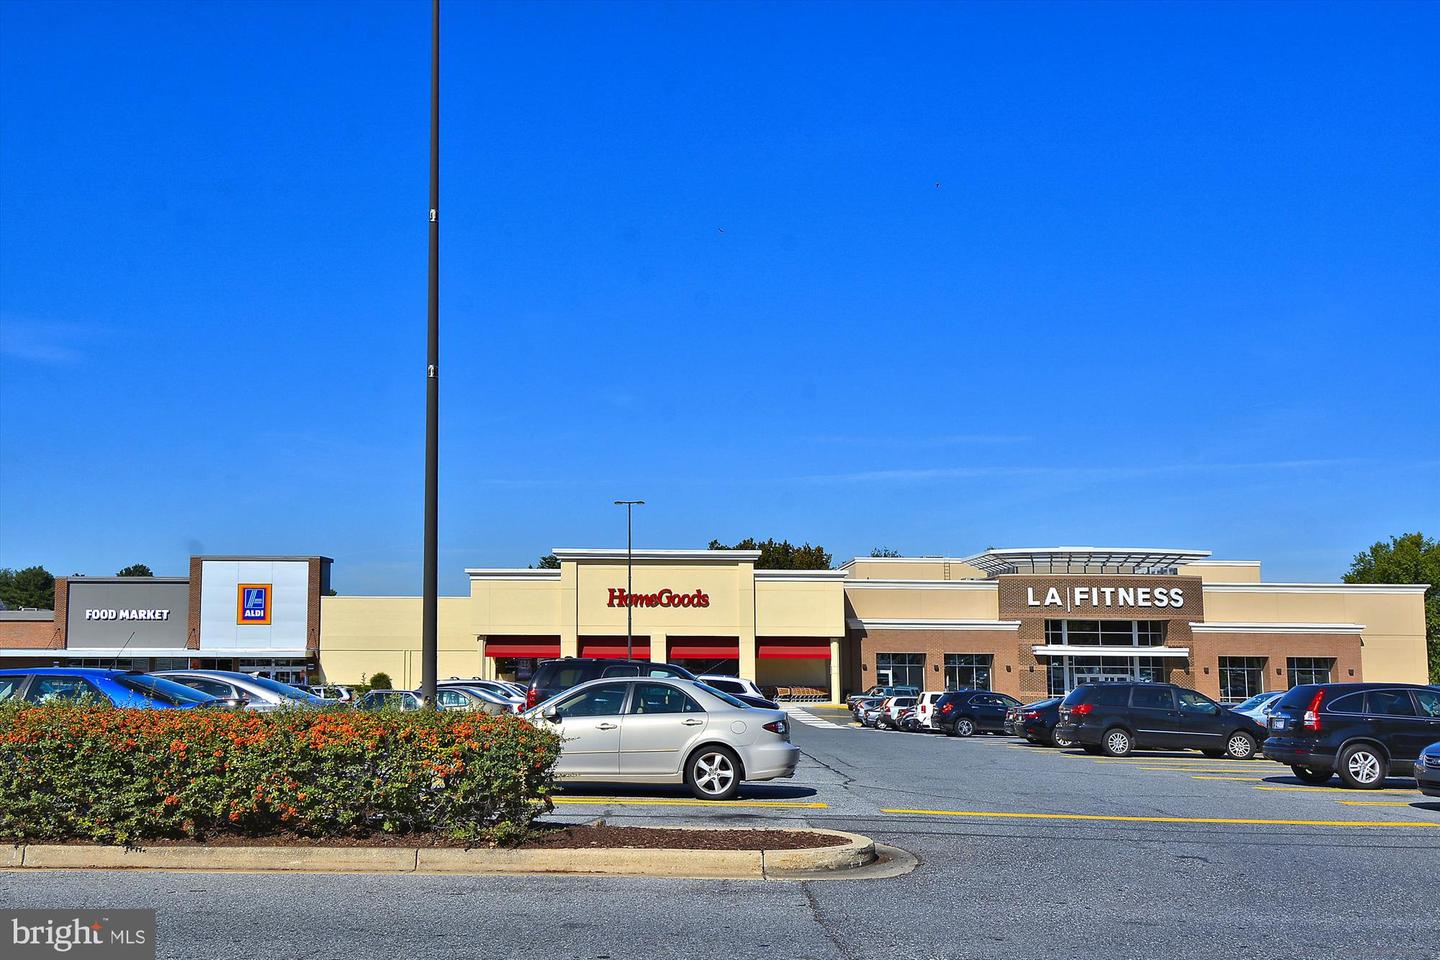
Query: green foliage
{"points": [[883, 552], [97, 773], [781, 554], [381, 681], [1409, 558], [548, 562], [136, 570], [30, 587]]}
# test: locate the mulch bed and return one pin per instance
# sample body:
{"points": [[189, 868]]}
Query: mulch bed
{"points": [[547, 836]]}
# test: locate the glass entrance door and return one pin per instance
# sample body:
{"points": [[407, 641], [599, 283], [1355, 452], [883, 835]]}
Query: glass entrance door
{"points": [[1066, 673]]}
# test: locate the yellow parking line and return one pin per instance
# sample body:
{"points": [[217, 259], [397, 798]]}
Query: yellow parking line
{"points": [[1185, 769], [1330, 790], [1248, 779], [1227, 820], [1376, 803], [646, 801]]}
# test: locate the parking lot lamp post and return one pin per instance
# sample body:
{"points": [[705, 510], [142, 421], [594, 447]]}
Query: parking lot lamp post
{"points": [[629, 575]]}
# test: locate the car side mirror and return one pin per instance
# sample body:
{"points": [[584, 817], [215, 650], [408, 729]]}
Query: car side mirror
{"points": [[551, 714]]}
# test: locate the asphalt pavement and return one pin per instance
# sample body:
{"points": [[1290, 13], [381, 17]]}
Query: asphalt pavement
{"points": [[1024, 852]]}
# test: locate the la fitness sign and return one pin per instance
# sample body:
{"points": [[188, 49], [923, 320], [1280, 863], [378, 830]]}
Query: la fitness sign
{"points": [[1072, 597], [619, 597]]}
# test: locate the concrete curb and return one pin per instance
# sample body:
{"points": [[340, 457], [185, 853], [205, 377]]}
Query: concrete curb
{"points": [[857, 851]]}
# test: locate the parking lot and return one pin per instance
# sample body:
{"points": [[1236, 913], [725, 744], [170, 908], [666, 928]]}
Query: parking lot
{"points": [[1024, 851]]}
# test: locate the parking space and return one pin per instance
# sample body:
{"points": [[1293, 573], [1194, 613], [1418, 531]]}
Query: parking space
{"points": [[888, 784]]}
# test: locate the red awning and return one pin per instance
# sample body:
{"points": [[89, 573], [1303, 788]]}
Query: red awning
{"points": [[615, 647], [796, 649], [703, 648], [522, 648]]}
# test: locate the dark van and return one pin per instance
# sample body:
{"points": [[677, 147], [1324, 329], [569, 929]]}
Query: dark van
{"points": [[1116, 718], [1360, 731], [557, 676]]}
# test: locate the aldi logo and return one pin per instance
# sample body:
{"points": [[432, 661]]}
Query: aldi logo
{"points": [[252, 603]]}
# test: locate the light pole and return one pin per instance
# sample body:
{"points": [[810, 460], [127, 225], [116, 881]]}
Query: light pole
{"points": [[429, 602], [629, 505]]}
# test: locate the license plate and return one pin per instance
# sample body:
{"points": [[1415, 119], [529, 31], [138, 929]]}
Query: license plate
{"points": [[1277, 723]]}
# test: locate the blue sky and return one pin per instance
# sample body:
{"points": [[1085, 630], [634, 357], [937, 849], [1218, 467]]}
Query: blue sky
{"points": [[928, 277]]}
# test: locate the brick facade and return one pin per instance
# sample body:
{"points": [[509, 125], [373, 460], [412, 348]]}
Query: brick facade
{"points": [[1017, 671], [1203, 670], [1005, 672]]}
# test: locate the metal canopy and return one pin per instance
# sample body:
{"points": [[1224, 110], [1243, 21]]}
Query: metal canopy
{"points": [[1145, 560]]}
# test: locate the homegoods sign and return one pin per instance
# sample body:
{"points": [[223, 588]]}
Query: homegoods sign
{"points": [[619, 597]]}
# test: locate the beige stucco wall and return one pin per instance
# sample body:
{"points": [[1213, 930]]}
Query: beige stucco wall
{"points": [[360, 636], [1218, 571], [800, 608], [1393, 647], [961, 601]]}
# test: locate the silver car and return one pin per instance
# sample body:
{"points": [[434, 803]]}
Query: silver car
{"points": [[258, 693], [663, 730]]}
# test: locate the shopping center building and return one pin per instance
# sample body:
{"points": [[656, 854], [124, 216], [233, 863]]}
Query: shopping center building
{"points": [[1027, 622]]}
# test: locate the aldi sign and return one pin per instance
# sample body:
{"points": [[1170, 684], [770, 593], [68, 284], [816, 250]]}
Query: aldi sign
{"points": [[252, 603]]}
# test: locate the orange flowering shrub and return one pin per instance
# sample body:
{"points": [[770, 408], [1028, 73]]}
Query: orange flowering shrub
{"points": [[71, 771]]}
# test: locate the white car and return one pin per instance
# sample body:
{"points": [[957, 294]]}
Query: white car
{"points": [[663, 730], [735, 686], [495, 687], [890, 715], [925, 709], [1257, 708]]}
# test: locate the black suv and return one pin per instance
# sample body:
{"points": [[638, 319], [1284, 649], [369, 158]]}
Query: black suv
{"points": [[1360, 731], [1116, 718], [557, 676], [1036, 722], [963, 713]]}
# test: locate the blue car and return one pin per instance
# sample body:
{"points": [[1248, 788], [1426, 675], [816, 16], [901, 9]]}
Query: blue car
{"points": [[123, 688]]}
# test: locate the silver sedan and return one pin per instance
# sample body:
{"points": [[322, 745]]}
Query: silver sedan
{"points": [[653, 730]]}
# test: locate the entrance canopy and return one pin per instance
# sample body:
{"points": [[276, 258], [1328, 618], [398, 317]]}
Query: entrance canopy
{"points": [[1133, 560]]}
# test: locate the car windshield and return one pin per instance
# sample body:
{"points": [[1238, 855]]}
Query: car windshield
{"points": [[283, 690], [159, 688], [721, 694], [1254, 701]]}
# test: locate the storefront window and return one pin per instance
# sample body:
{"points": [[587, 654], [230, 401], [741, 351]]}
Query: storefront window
{"points": [[900, 669], [1109, 633], [1241, 678], [967, 671], [1309, 670]]}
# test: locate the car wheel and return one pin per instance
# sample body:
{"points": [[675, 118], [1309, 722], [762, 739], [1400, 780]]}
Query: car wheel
{"points": [[1117, 743], [1062, 742], [713, 773], [964, 727], [1362, 767], [1311, 774], [1240, 746]]}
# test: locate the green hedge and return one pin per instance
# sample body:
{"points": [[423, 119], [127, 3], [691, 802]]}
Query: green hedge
{"points": [[70, 771]]}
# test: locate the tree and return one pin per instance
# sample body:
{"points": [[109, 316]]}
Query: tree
{"points": [[136, 570], [548, 562], [881, 553], [381, 681], [1409, 558], [781, 554], [31, 587]]}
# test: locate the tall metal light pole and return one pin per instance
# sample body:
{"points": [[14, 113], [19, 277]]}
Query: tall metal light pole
{"points": [[629, 575], [429, 666]]}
